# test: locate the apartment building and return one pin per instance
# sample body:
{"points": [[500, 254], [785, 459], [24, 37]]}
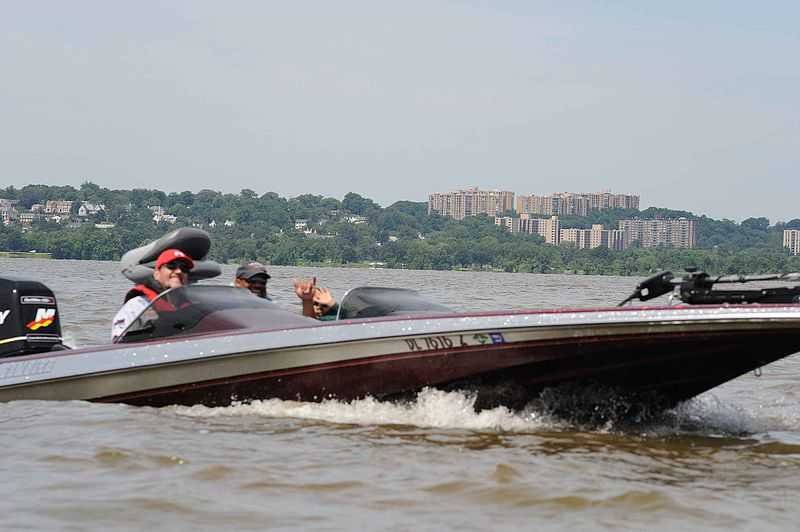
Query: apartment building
{"points": [[596, 237], [547, 228], [470, 202], [574, 204], [616, 239], [680, 233], [511, 224], [582, 238], [791, 240], [607, 200], [562, 204]]}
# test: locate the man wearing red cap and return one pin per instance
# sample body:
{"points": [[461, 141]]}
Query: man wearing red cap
{"points": [[171, 271]]}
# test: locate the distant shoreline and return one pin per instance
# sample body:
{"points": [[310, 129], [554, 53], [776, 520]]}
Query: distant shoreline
{"points": [[24, 255], [347, 265]]}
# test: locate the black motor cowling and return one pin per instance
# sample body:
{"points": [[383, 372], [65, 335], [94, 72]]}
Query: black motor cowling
{"points": [[29, 321]]}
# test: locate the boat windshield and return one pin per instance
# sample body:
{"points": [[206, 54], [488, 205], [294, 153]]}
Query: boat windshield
{"points": [[201, 309], [372, 301]]}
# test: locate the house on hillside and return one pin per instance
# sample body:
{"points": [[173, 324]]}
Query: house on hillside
{"points": [[90, 209], [356, 219], [27, 218], [8, 215], [58, 207]]}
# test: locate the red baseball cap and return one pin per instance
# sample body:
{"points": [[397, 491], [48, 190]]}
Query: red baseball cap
{"points": [[173, 254]]}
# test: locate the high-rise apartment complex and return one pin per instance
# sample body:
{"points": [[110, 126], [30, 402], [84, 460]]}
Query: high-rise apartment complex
{"points": [[547, 228], [582, 238], [596, 237], [607, 200], [470, 202], [680, 233], [791, 240], [574, 204]]}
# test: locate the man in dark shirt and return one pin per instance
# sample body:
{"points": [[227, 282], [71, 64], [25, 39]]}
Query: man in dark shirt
{"points": [[253, 276]]}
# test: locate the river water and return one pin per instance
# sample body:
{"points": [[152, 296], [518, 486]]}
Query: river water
{"points": [[729, 459]]}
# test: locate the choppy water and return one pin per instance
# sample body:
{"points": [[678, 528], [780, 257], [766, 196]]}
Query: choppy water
{"points": [[727, 460]]}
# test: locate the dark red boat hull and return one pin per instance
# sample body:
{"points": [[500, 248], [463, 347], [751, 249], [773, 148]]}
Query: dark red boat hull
{"points": [[673, 367]]}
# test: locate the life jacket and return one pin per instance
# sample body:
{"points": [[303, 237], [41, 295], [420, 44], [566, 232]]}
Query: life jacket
{"points": [[141, 290], [162, 305]]}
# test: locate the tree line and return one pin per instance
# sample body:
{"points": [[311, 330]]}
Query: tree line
{"points": [[402, 235]]}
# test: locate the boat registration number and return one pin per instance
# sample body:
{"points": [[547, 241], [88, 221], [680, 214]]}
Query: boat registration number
{"points": [[433, 343]]}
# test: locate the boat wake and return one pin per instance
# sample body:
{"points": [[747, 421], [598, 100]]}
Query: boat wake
{"points": [[430, 409], [433, 408]]}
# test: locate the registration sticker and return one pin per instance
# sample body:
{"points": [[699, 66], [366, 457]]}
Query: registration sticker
{"points": [[497, 338]]}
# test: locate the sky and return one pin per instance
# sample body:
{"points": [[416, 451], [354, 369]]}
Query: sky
{"points": [[691, 105]]}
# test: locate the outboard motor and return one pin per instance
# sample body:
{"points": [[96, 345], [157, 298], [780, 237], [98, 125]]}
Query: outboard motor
{"points": [[29, 320]]}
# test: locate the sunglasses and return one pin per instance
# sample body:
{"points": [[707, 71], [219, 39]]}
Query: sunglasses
{"points": [[174, 265]]}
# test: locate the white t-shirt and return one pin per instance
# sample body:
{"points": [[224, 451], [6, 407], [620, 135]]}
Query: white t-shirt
{"points": [[129, 312]]}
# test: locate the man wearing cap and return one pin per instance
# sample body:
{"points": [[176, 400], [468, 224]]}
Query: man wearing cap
{"points": [[171, 271], [253, 276]]}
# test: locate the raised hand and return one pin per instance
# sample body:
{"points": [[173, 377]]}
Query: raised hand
{"points": [[324, 298], [305, 288]]}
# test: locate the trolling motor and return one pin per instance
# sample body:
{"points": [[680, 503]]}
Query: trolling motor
{"points": [[697, 288], [29, 321]]}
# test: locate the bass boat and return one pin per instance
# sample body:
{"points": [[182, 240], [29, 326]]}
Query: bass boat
{"points": [[216, 345]]}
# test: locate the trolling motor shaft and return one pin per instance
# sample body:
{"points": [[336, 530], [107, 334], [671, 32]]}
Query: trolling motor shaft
{"points": [[698, 288]]}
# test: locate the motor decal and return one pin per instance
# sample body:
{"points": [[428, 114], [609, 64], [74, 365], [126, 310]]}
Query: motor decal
{"points": [[44, 318], [3, 315], [37, 300]]}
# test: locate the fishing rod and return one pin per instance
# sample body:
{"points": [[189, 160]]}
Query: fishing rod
{"points": [[697, 288]]}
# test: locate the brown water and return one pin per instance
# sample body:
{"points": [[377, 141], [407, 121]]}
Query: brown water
{"points": [[730, 459]]}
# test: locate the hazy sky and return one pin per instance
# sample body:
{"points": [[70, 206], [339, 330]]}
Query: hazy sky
{"points": [[692, 104]]}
